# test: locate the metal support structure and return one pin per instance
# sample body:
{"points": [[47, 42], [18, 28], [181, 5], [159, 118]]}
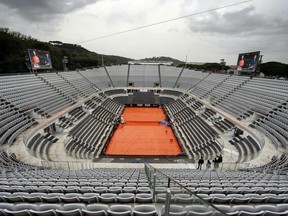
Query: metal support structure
{"points": [[103, 64], [180, 73], [159, 73], [154, 186], [179, 77], [167, 202], [128, 75]]}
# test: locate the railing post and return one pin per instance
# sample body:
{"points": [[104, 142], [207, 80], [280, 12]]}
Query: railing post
{"points": [[168, 186], [154, 186], [167, 202], [150, 177]]}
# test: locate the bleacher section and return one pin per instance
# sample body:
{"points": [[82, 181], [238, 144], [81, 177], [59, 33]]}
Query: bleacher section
{"points": [[9, 163], [190, 78], [258, 94], [48, 93], [228, 86], [81, 192], [199, 138], [208, 114], [32, 190], [223, 124], [76, 113], [277, 165], [98, 77], [118, 74], [92, 103], [115, 91], [169, 75], [86, 141], [26, 190], [90, 135], [12, 122], [82, 83], [246, 147], [28, 92], [40, 144], [208, 84], [274, 125], [234, 193], [195, 104], [61, 85], [144, 75]]}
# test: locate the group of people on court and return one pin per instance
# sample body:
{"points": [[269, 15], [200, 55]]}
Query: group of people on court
{"points": [[216, 162]]}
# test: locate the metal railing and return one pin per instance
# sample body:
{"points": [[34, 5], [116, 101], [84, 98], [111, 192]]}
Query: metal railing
{"points": [[175, 198]]}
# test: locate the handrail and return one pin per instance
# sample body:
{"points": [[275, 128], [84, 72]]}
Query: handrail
{"points": [[182, 186]]}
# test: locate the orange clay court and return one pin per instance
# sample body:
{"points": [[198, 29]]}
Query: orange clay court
{"points": [[142, 134]]}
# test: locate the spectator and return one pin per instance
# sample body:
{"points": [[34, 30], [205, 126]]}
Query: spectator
{"points": [[200, 162], [208, 165], [216, 163], [220, 159]]}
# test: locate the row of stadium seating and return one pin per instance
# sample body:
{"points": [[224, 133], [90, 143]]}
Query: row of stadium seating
{"points": [[257, 94], [230, 85], [246, 146], [86, 142], [61, 85], [278, 164], [39, 187], [80, 82], [243, 94], [199, 138], [40, 145], [78, 209], [275, 124], [207, 84], [12, 122], [9, 163], [220, 198], [27, 92]]}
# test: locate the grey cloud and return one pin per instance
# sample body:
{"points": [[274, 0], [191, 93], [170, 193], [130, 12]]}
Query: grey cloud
{"points": [[243, 22], [39, 10]]}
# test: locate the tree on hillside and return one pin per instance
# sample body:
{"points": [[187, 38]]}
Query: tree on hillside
{"points": [[275, 69]]}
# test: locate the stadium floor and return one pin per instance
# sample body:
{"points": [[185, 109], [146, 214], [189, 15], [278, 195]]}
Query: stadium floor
{"points": [[142, 134]]}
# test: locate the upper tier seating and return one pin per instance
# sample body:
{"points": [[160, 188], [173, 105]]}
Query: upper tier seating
{"points": [[229, 85], [80, 82], [260, 95], [144, 75], [12, 122], [27, 92], [118, 75], [62, 85], [208, 84], [190, 78], [98, 77], [169, 75]]}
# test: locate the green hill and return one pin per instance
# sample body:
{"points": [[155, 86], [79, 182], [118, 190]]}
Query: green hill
{"points": [[164, 58], [14, 46]]}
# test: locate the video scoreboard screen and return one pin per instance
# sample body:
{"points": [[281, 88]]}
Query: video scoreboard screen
{"points": [[247, 62], [40, 59]]}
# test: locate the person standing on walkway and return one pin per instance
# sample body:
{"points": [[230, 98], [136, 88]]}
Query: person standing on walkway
{"points": [[200, 162]]}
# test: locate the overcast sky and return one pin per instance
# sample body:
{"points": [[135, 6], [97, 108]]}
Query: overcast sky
{"points": [[258, 25]]}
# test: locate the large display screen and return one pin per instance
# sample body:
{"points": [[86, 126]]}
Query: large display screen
{"points": [[40, 59], [247, 62]]}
